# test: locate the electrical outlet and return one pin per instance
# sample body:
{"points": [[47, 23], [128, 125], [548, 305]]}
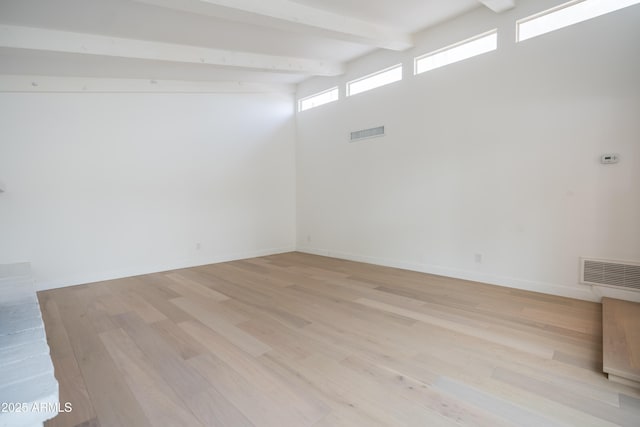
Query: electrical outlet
{"points": [[478, 258], [308, 238], [198, 246]]}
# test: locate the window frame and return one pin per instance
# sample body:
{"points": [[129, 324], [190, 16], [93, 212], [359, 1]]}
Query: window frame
{"points": [[308, 97], [557, 9], [374, 74], [417, 59]]}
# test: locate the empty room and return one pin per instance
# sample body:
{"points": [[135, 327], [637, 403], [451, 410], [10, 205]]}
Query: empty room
{"points": [[320, 213]]}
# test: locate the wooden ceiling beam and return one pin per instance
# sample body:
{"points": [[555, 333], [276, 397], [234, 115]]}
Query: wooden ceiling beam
{"points": [[91, 44], [287, 14], [499, 6]]}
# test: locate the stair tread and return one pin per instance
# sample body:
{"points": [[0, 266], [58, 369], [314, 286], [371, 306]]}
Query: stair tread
{"points": [[621, 338]]}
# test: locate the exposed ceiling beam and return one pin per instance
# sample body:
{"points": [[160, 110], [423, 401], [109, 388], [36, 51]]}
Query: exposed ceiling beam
{"points": [[92, 44], [287, 14], [23, 83], [499, 6]]}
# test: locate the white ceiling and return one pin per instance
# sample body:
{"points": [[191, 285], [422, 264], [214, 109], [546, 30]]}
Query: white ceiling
{"points": [[406, 15], [267, 41]]}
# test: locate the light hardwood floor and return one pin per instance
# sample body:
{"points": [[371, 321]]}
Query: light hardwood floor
{"points": [[621, 358], [302, 340]]}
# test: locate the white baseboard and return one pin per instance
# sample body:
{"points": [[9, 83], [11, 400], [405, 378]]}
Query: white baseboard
{"points": [[587, 294], [148, 269], [582, 292]]}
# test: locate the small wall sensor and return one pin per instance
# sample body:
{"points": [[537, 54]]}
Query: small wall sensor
{"points": [[609, 158]]}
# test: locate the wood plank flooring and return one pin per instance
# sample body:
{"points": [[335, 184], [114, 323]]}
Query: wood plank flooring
{"points": [[621, 341], [302, 340]]}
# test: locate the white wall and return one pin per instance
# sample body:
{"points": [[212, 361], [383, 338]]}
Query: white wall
{"points": [[101, 186], [497, 155]]}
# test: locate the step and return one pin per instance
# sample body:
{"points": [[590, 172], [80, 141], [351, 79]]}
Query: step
{"points": [[621, 341], [28, 387]]}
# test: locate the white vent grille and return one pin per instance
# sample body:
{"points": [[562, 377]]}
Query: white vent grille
{"points": [[367, 133], [619, 274]]}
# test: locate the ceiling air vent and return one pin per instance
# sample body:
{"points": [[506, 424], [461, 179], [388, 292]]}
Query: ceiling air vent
{"points": [[618, 274], [367, 133]]}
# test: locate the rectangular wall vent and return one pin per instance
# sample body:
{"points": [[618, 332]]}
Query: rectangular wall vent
{"points": [[618, 274], [367, 133]]}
